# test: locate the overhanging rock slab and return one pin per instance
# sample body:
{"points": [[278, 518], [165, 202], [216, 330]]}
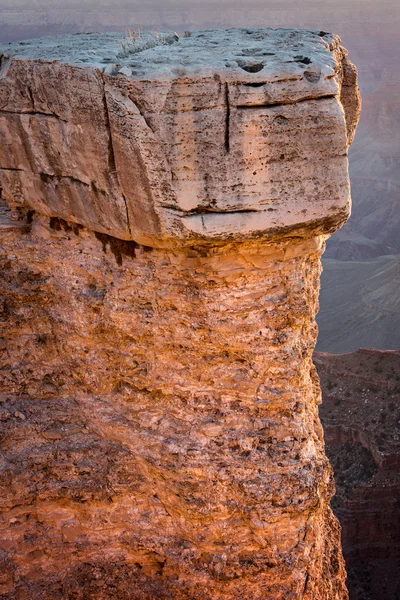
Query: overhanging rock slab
{"points": [[223, 134]]}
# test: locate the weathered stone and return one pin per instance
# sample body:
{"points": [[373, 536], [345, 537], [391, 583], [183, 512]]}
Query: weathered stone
{"points": [[171, 446], [223, 135]]}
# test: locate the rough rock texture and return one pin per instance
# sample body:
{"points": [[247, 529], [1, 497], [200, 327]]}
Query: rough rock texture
{"points": [[360, 413], [227, 134], [161, 434]]}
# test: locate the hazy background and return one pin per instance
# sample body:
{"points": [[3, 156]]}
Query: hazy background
{"points": [[360, 299]]}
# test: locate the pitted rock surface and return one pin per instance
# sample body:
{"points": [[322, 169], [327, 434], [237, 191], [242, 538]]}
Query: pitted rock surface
{"points": [[162, 226], [218, 136]]}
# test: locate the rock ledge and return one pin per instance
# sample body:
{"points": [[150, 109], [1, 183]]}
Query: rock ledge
{"points": [[218, 136]]}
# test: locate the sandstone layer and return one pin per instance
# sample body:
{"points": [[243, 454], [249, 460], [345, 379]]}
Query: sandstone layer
{"points": [[162, 228]]}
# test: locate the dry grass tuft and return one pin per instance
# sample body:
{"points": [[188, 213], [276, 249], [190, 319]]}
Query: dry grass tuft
{"points": [[138, 41]]}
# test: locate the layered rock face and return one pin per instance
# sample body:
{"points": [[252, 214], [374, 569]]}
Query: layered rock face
{"points": [[222, 135], [164, 221], [360, 413]]}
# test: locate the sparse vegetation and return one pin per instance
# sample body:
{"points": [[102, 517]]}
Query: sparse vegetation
{"points": [[331, 384]]}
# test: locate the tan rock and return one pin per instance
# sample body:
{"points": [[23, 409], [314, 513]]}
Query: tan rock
{"points": [[171, 446], [214, 137], [173, 441]]}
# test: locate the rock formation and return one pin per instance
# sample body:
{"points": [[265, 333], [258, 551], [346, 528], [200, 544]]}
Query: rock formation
{"points": [[360, 413], [166, 210]]}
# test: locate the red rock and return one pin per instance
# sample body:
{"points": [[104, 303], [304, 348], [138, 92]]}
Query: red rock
{"points": [[172, 446]]}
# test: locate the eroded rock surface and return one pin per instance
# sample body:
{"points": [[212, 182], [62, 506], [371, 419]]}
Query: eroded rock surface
{"points": [[224, 134], [161, 435]]}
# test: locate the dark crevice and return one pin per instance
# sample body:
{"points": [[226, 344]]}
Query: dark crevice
{"points": [[209, 210], [283, 80], [307, 99], [119, 248], [227, 119], [255, 83], [30, 94], [46, 177], [112, 165], [251, 67], [303, 59], [58, 224], [111, 154], [230, 212], [143, 114], [33, 114], [127, 214], [306, 583]]}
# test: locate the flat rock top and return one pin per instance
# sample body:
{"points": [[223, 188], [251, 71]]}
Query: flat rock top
{"points": [[247, 54], [148, 136]]}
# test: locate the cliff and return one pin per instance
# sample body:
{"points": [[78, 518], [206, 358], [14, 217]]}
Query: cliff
{"points": [[165, 209], [204, 139], [360, 414]]}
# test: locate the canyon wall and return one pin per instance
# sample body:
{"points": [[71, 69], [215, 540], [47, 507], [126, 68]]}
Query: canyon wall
{"points": [[163, 220], [360, 413]]}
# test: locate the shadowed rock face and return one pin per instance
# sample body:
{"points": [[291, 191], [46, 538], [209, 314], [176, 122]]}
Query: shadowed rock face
{"points": [[161, 434], [360, 413]]}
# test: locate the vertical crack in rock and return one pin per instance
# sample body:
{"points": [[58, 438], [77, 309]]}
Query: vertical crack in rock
{"points": [[142, 113], [227, 118], [112, 160], [111, 154], [305, 584], [143, 171], [30, 94], [127, 214], [29, 90]]}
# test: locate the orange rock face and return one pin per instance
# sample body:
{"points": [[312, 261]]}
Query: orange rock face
{"points": [[159, 402], [169, 443]]}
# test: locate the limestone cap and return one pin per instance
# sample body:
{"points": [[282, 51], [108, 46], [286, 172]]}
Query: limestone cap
{"points": [[214, 136]]}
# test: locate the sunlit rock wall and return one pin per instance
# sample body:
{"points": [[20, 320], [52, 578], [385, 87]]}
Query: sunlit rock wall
{"points": [[162, 225]]}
